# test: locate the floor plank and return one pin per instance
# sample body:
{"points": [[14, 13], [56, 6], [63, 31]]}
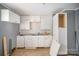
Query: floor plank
{"points": [[31, 52]]}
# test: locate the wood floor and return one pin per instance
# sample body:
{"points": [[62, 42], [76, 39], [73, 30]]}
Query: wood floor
{"points": [[31, 52]]}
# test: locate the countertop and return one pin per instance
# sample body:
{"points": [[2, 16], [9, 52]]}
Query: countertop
{"points": [[34, 35]]}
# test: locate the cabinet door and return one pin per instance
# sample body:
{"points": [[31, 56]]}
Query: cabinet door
{"points": [[20, 41], [14, 18], [4, 15], [25, 24], [27, 42], [35, 41], [34, 18], [47, 41], [30, 42], [41, 41], [46, 22], [35, 26], [22, 26]]}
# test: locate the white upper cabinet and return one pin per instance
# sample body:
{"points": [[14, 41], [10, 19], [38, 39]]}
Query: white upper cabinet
{"points": [[25, 23], [14, 18], [36, 23], [46, 22], [7, 15], [31, 18], [34, 18], [25, 18]]}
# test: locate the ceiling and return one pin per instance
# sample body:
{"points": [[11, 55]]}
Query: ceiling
{"points": [[39, 8]]}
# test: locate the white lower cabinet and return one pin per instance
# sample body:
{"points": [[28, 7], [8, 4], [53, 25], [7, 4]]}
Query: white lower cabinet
{"points": [[30, 42], [41, 41], [20, 42], [27, 41], [44, 41], [34, 41]]}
